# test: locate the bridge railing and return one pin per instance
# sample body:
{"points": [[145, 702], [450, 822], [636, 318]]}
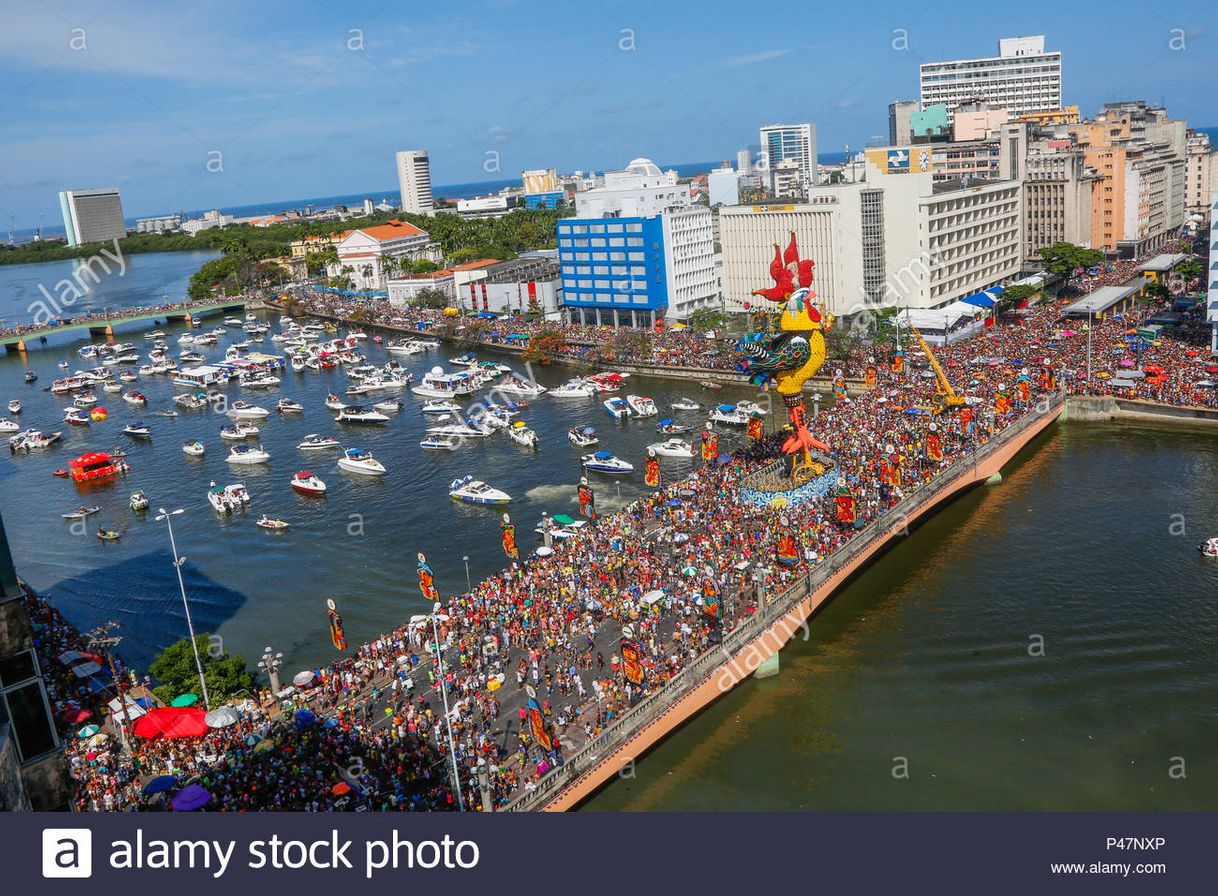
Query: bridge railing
{"points": [[650, 710]]}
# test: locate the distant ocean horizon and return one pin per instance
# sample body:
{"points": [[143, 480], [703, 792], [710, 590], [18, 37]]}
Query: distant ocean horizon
{"points": [[467, 190]]}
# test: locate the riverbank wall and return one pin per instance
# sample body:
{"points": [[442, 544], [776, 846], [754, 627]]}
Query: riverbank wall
{"points": [[1104, 409], [757, 641]]}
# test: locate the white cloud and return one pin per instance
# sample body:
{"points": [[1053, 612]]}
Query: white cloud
{"points": [[754, 58]]}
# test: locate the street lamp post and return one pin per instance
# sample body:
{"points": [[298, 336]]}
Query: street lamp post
{"points": [[1090, 315], [448, 719], [270, 664], [468, 587], [190, 626]]}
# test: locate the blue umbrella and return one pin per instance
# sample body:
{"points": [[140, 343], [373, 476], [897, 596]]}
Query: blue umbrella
{"points": [[304, 718], [160, 784], [190, 798], [674, 502], [330, 723]]}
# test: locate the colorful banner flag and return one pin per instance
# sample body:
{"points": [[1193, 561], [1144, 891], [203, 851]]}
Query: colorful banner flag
{"points": [[755, 428], [787, 548], [509, 538], [651, 471], [846, 505], [632, 661], [537, 725], [427, 580], [337, 636], [898, 361], [712, 604], [869, 376], [934, 446], [587, 500]]}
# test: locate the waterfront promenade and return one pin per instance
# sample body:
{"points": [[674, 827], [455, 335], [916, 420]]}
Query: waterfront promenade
{"points": [[99, 326]]}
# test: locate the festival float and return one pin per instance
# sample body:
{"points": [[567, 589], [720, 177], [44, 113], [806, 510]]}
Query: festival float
{"points": [[95, 466]]}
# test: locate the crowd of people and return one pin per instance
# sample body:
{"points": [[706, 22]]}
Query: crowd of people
{"points": [[682, 567]]}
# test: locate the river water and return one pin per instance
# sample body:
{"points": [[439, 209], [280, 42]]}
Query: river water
{"points": [[923, 663]]}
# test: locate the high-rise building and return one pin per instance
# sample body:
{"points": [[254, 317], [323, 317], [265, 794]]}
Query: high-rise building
{"points": [[414, 181], [723, 185], [744, 162], [92, 216], [1022, 78], [1211, 311], [1201, 173], [795, 143], [898, 121], [637, 251]]}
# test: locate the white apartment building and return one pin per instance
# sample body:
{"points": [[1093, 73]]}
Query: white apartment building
{"points": [[158, 224], [483, 207], [895, 238], [1201, 172], [92, 216], [723, 185], [414, 181], [1022, 78], [638, 191], [792, 143], [1057, 195], [689, 240], [367, 255]]}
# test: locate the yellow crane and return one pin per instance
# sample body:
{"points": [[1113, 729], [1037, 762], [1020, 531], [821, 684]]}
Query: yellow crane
{"points": [[946, 395]]}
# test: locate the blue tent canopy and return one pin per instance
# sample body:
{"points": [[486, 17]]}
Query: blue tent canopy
{"points": [[984, 299]]}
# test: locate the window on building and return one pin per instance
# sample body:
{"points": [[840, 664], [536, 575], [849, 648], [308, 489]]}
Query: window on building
{"points": [[613, 228], [635, 241], [596, 228], [23, 703], [616, 241], [598, 242], [634, 228], [577, 228]]}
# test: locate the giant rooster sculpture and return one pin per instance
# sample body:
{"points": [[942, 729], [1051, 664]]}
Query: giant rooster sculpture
{"points": [[788, 360]]}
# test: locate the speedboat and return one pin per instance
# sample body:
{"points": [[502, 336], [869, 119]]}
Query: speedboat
{"points": [[76, 417], [440, 443], [186, 339], [441, 407], [31, 377], [576, 388], [31, 440], [605, 462], [582, 436], [7, 425], [561, 526], [466, 360], [360, 460], [239, 430], [473, 430], [729, 414], [617, 408], [139, 502], [81, 512], [673, 428], [308, 483], [14, 407], [85, 400], [751, 408], [247, 454], [1209, 548], [265, 381], [515, 385], [126, 376], [287, 406], [190, 358], [334, 403], [641, 406], [154, 334], [390, 406], [438, 384], [194, 449], [232, 321], [315, 442], [63, 365], [137, 431], [247, 410], [226, 499], [112, 387], [672, 448], [164, 414], [475, 491], [520, 433], [274, 525], [686, 404], [135, 398], [298, 363], [710, 384], [358, 414]]}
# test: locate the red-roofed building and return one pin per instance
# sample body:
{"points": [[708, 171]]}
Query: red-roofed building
{"points": [[371, 252]]}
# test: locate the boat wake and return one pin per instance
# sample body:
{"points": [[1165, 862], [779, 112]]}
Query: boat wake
{"points": [[551, 493]]}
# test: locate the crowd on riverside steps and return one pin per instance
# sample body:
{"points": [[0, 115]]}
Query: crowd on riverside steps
{"points": [[554, 623]]}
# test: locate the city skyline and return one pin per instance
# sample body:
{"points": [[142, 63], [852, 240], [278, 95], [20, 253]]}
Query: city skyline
{"points": [[233, 118]]}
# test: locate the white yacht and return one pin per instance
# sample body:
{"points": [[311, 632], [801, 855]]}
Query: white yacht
{"points": [[245, 410], [617, 408], [729, 414], [641, 406], [358, 414], [605, 462], [515, 385], [582, 436], [360, 460], [576, 388], [475, 491], [672, 448], [441, 407], [315, 442], [520, 433], [438, 384]]}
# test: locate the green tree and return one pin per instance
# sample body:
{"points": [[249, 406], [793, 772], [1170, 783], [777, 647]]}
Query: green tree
{"points": [[1190, 268], [1063, 259], [1013, 295], [708, 319], [175, 669], [432, 298], [544, 346]]}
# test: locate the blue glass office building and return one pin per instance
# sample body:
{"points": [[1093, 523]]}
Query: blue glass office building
{"points": [[614, 270], [543, 200]]}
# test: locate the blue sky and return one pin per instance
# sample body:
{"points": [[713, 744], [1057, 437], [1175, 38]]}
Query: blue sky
{"points": [[309, 99]]}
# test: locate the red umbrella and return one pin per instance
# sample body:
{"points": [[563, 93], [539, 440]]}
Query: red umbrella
{"points": [[172, 721], [76, 716], [340, 788]]}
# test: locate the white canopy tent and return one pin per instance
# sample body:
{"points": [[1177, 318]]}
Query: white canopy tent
{"points": [[947, 324]]}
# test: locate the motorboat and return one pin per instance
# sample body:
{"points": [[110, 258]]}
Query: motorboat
{"points": [[85, 400], [170, 414], [360, 460], [441, 407], [108, 534], [356, 334], [287, 406], [515, 385], [138, 502], [617, 408], [194, 449], [7, 425], [154, 334], [246, 410], [358, 414], [1209, 547], [14, 407], [673, 428], [147, 369], [238, 431], [95, 466], [685, 404], [672, 448], [440, 443], [438, 384], [466, 360], [471, 430], [641, 406], [191, 400], [226, 499], [605, 462], [112, 387], [186, 339], [135, 398], [298, 363], [233, 321], [316, 442], [607, 383], [406, 347], [31, 377], [492, 419], [76, 417], [126, 376], [561, 526], [334, 403], [308, 483], [576, 388], [729, 414], [191, 358], [750, 408], [520, 433], [32, 440], [265, 381], [582, 436], [81, 512], [63, 365], [247, 454], [58, 387], [475, 491], [390, 406], [710, 384], [274, 525], [137, 430]]}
